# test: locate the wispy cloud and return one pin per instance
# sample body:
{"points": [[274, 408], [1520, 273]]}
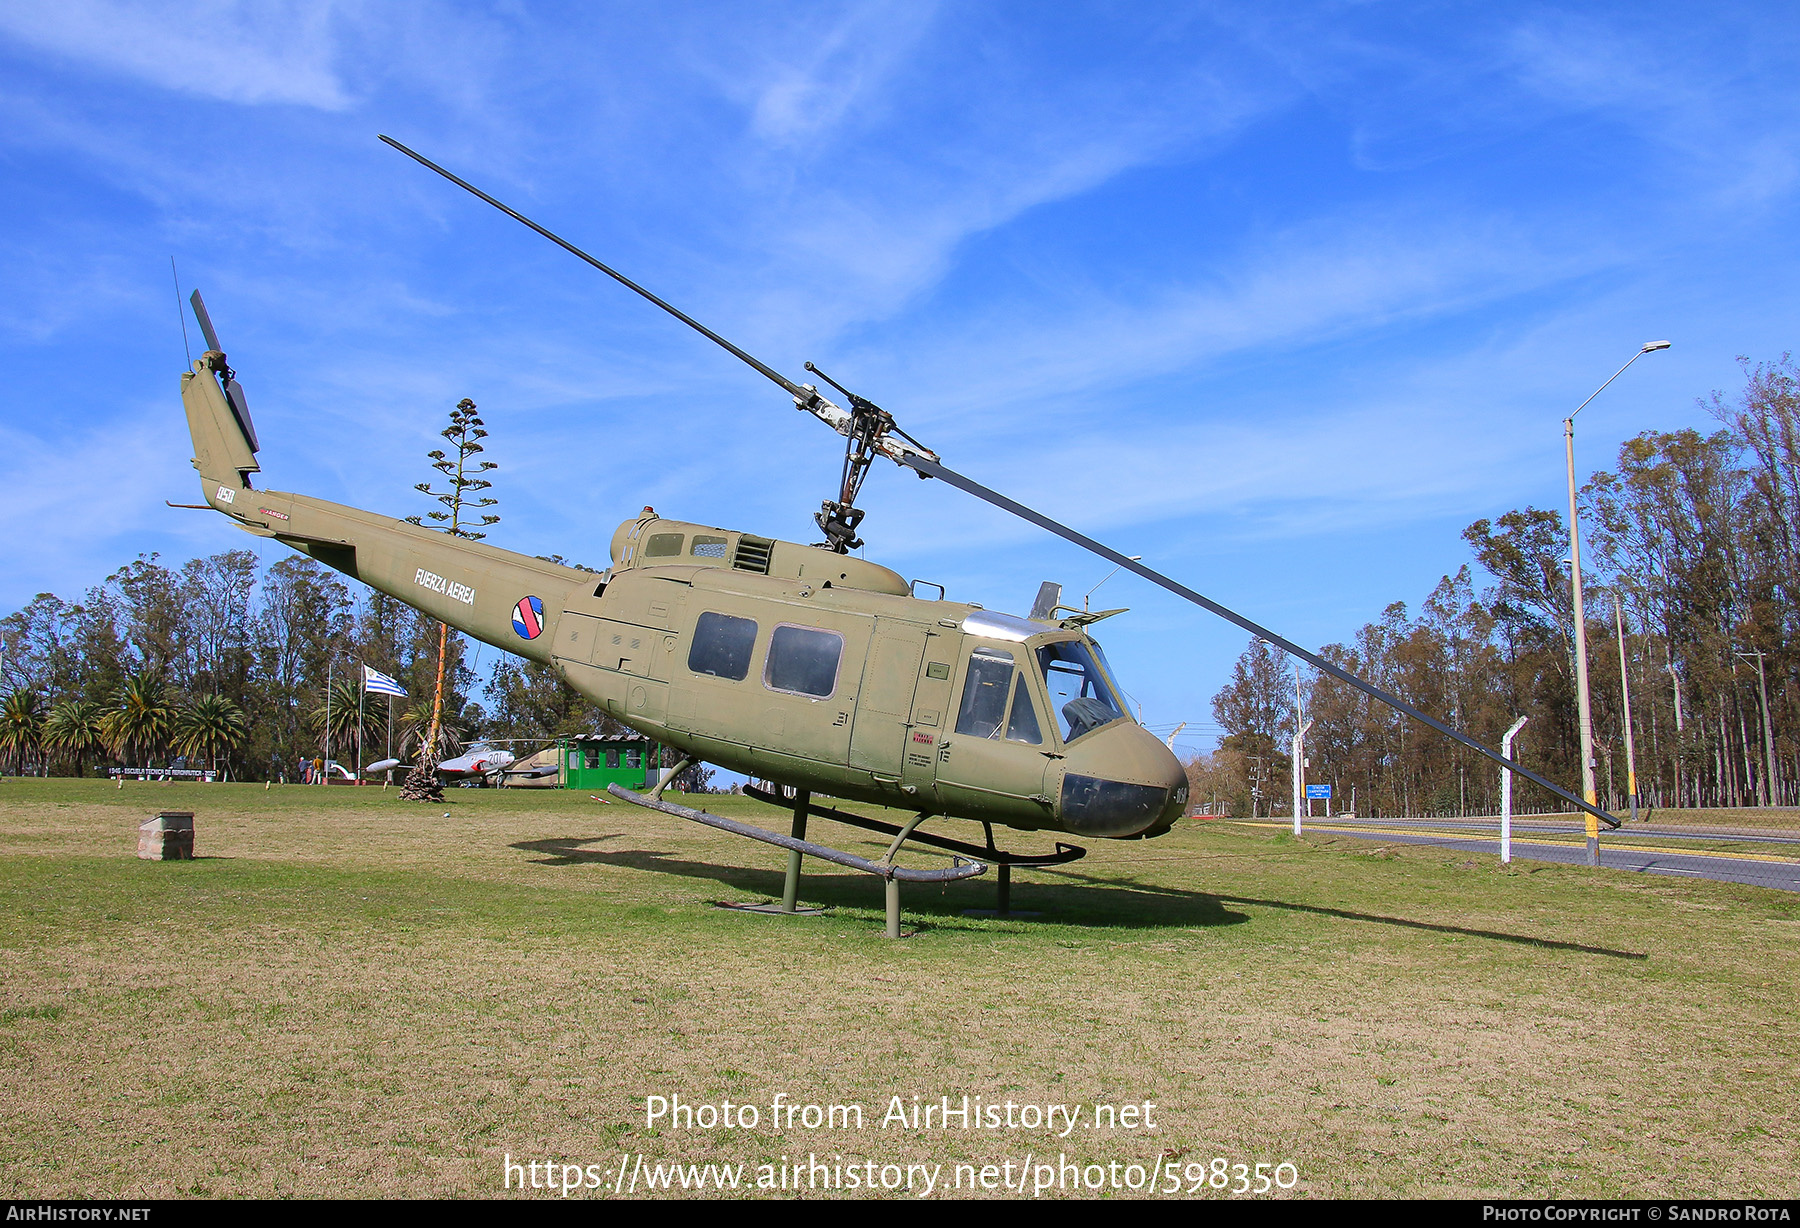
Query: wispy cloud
{"points": [[74, 498], [846, 61], [1297, 290], [1736, 131], [247, 52]]}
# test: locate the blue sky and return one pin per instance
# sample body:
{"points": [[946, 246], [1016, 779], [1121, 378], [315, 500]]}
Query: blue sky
{"points": [[1279, 297]]}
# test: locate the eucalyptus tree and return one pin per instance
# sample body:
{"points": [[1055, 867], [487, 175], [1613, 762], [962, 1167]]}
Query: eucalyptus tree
{"points": [[40, 648], [305, 621], [215, 594], [1256, 711], [146, 598]]}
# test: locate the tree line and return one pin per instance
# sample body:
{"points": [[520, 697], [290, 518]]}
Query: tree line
{"points": [[227, 663], [1691, 561]]}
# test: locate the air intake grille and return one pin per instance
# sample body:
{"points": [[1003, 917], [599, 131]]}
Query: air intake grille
{"points": [[753, 554]]}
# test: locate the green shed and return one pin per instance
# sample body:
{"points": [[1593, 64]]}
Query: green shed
{"points": [[593, 761]]}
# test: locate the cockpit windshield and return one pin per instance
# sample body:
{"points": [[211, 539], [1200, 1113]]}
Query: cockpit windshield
{"points": [[1078, 688]]}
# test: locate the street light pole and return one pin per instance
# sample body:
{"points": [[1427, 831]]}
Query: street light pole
{"points": [[1584, 710], [1762, 693], [1625, 690], [1299, 749]]}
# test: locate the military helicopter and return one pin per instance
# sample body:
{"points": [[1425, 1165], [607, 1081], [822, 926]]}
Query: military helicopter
{"points": [[791, 663]]}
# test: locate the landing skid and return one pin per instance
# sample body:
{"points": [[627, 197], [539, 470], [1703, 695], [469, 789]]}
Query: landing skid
{"points": [[1005, 861], [797, 846]]}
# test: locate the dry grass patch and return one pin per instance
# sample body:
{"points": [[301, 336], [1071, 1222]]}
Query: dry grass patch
{"points": [[354, 995]]}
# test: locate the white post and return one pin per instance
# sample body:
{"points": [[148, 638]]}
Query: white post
{"points": [[1506, 790], [1299, 772], [362, 694]]}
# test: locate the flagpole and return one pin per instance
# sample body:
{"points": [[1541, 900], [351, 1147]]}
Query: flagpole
{"points": [[362, 693]]}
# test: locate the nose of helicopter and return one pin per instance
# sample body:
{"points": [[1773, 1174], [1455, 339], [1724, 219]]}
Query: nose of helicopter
{"points": [[1121, 781]]}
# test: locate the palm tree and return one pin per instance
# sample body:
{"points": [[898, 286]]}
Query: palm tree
{"points": [[345, 697], [21, 725], [414, 722], [211, 727], [141, 719], [73, 728]]}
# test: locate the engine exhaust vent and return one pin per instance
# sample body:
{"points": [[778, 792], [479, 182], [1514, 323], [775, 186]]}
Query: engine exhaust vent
{"points": [[753, 554]]}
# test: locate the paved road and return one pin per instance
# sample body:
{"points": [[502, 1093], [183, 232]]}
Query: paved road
{"points": [[1619, 851]]}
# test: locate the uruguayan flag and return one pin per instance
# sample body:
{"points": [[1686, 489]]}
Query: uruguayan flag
{"points": [[378, 682]]}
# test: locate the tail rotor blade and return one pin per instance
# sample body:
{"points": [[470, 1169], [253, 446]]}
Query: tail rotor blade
{"points": [[234, 392], [932, 469], [206, 328]]}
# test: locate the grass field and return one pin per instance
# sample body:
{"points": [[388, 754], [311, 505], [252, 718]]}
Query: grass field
{"points": [[348, 995]]}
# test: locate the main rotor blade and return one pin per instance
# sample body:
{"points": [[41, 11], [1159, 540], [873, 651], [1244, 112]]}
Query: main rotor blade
{"points": [[206, 328], [935, 470], [794, 390]]}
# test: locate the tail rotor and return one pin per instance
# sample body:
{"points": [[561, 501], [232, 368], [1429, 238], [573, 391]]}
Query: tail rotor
{"points": [[215, 361]]}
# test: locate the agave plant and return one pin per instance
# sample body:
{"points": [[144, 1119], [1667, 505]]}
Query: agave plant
{"points": [[211, 727], [73, 729], [21, 726], [141, 719]]}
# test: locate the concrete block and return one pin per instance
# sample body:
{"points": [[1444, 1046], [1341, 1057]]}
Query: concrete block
{"points": [[167, 837]]}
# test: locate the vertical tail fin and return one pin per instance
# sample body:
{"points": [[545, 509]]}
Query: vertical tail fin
{"points": [[225, 444], [222, 451]]}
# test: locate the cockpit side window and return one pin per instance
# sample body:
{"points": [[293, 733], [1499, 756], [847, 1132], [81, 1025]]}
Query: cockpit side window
{"points": [[1022, 725], [985, 687], [1078, 688]]}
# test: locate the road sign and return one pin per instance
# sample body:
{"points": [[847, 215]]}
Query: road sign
{"points": [[1322, 792]]}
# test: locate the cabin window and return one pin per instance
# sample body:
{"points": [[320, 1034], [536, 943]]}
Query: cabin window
{"points": [[803, 661], [709, 547], [634, 757], [722, 646], [1022, 725], [985, 688], [1077, 688], [612, 758], [663, 545]]}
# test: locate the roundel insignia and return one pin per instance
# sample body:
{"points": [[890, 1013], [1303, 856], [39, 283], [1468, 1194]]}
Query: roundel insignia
{"points": [[528, 617]]}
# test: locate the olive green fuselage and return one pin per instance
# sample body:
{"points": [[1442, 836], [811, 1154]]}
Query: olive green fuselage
{"points": [[780, 661]]}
